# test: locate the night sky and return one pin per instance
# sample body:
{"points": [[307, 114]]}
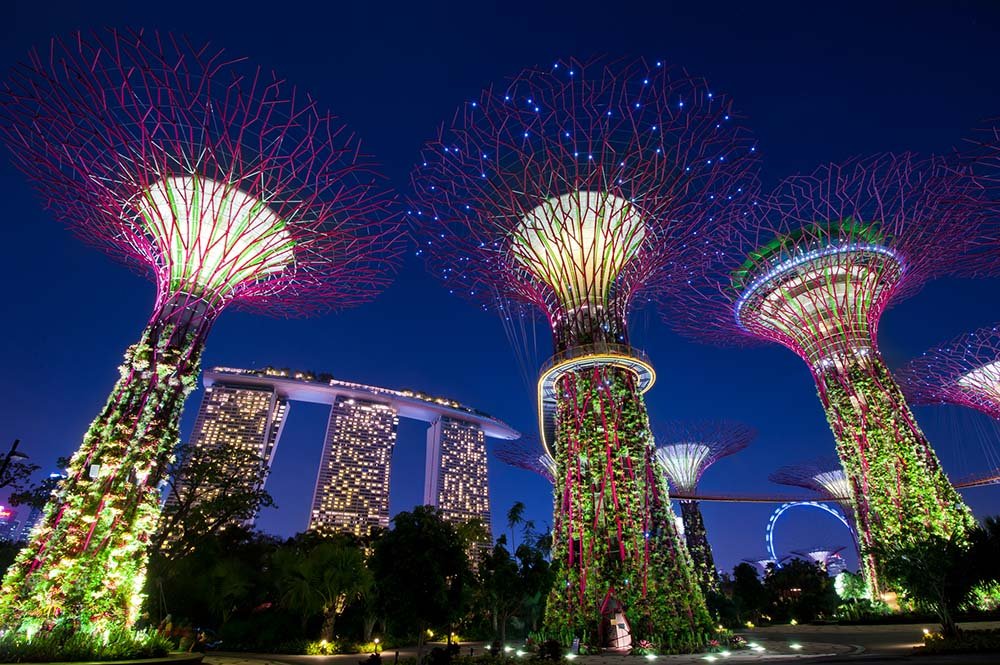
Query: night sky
{"points": [[815, 83]]}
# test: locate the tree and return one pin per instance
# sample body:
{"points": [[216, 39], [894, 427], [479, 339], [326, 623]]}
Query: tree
{"points": [[39, 493], [321, 579], [421, 570], [749, 595], [211, 488], [515, 516], [800, 590], [501, 588], [536, 576], [939, 572]]}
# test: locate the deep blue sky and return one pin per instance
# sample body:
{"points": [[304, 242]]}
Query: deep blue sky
{"points": [[818, 82]]}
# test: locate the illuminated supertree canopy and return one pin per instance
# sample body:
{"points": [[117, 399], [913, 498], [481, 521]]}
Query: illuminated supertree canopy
{"points": [[570, 190], [812, 267], [684, 451], [225, 188], [964, 371]]}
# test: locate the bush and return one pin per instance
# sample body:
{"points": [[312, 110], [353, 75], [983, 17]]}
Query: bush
{"points": [[550, 650], [66, 643], [968, 641]]}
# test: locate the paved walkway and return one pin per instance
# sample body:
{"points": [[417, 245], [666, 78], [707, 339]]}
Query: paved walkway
{"points": [[871, 645], [766, 650]]}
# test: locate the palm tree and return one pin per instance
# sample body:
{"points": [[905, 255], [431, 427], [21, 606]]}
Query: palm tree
{"points": [[515, 516], [322, 580]]}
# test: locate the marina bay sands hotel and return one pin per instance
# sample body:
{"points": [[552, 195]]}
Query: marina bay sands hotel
{"points": [[248, 409]]}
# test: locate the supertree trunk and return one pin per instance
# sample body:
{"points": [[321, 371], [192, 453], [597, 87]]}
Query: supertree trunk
{"points": [[898, 487], [86, 560], [697, 543], [614, 542]]}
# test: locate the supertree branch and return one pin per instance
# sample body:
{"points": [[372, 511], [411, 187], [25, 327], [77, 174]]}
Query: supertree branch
{"points": [[813, 266], [529, 455], [571, 190], [684, 451], [227, 189], [963, 371]]}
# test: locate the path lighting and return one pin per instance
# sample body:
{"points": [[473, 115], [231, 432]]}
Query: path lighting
{"points": [[795, 645]]}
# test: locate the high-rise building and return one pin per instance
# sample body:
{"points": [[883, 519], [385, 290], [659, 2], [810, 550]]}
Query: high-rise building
{"points": [[10, 527], [242, 418], [455, 479], [352, 486]]}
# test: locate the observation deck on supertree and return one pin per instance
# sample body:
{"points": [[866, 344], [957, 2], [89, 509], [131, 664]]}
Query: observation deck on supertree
{"points": [[226, 189], [569, 190], [812, 267], [685, 450], [964, 371]]}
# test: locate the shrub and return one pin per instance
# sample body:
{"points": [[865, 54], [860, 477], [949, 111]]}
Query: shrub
{"points": [[66, 643], [967, 641]]}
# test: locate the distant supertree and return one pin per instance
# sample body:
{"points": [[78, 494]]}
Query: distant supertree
{"points": [[823, 557], [764, 564], [685, 450], [526, 454], [824, 475], [225, 189], [812, 267], [964, 371], [570, 190]]}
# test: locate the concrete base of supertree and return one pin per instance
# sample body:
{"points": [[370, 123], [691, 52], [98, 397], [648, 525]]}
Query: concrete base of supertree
{"points": [[615, 545], [85, 563], [899, 490]]}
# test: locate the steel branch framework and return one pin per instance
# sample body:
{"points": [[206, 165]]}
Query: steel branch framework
{"points": [[685, 450], [812, 267], [571, 190], [964, 371], [227, 189]]}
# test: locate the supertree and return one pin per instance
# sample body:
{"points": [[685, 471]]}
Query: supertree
{"points": [[824, 557], [225, 188], [823, 475], [685, 450], [569, 190], [764, 564], [964, 371], [812, 267], [526, 454]]}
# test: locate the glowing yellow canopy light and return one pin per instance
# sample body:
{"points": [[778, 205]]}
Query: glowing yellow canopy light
{"points": [[578, 244], [212, 235]]}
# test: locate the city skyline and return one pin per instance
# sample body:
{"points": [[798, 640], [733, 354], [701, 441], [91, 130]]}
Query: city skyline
{"points": [[807, 111]]}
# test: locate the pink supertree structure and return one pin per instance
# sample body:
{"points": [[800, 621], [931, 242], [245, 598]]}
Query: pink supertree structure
{"points": [[227, 189], [569, 190], [964, 371], [812, 267], [685, 450]]}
